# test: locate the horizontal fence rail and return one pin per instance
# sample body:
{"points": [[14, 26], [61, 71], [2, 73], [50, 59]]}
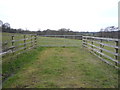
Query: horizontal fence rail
{"points": [[107, 49], [64, 36], [14, 45]]}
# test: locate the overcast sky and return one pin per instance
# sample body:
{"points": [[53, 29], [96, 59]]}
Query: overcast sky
{"points": [[77, 15]]}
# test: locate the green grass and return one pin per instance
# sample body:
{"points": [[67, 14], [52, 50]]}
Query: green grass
{"points": [[58, 41], [12, 66], [63, 68], [58, 67]]}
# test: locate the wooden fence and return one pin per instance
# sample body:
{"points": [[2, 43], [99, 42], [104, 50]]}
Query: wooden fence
{"points": [[15, 46], [60, 40], [79, 37], [107, 49]]}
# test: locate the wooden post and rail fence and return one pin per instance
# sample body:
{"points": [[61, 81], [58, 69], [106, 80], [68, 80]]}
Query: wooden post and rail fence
{"points": [[103, 49], [17, 46]]}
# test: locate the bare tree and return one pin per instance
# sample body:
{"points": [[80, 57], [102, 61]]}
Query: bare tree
{"points": [[6, 25]]}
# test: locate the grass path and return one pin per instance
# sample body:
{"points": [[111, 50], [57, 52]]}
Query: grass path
{"points": [[64, 68]]}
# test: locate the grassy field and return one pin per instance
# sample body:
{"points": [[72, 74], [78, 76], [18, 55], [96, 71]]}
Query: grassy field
{"points": [[59, 67], [51, 41]]}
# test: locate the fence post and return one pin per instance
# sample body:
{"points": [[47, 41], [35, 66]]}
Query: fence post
{"points": [[13, 42], [31, 42], [101, 46], [83, 41], [92, 42], [35, 40], [116, 50], [64, 40], [24, 42], [86, 41]]}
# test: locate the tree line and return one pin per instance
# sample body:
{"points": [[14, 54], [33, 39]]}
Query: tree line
{"points": [[108, 32], [5, 27]]}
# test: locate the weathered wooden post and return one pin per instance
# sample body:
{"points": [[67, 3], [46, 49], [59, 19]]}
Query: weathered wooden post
{"points": [[35, 40], [116, 50], [13, 42], [31, 41], [64, 40], [101, 46], [84, 42], [92, 43], [24, 42]]}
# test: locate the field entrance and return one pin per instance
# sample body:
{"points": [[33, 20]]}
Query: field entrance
{"points": [[60, 40]]}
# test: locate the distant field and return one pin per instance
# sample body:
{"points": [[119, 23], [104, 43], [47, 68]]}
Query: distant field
{"points": [[52, 41]]}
